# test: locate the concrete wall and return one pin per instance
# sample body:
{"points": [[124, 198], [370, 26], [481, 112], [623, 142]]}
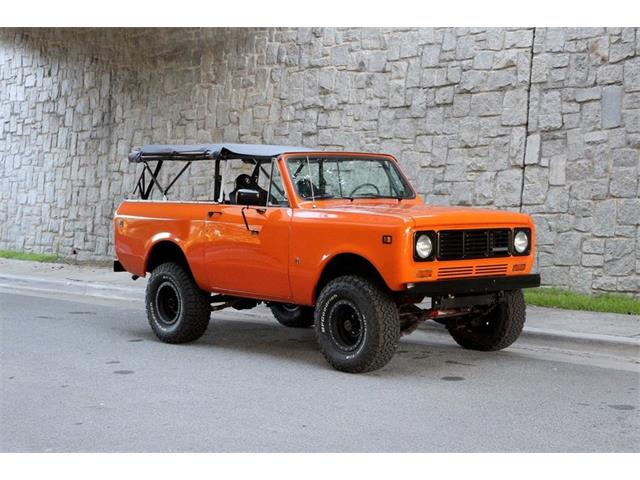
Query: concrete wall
{"points": [[545, 121]]}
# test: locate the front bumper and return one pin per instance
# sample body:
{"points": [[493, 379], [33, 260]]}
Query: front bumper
{"points": [[472, 286]]}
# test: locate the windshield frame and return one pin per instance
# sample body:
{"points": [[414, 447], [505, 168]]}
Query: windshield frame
{"points": [[390, 161]]}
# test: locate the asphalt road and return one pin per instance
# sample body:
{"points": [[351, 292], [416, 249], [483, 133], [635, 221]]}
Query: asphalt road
{"points": [[88, 375]]}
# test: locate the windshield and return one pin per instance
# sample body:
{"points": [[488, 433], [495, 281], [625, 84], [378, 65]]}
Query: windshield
{"points": [[347, 177]]}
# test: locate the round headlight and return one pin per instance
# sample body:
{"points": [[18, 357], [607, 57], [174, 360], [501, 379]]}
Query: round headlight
{"points": [[424, 246], [521, 242]]}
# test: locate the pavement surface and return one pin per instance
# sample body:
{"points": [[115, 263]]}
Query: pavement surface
{"points": [[83, 372], [102, 282]]}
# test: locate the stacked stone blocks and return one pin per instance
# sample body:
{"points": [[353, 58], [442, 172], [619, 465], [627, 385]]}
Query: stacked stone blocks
{"points": [[545, 121]]}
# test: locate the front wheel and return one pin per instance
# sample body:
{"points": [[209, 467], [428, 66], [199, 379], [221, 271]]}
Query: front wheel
{"points": [[497, 328], [293, 316], [178, 311], [357, 325]]}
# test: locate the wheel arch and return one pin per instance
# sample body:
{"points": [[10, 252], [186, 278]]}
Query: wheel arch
{"points": [[165, 250], [348, 263]]}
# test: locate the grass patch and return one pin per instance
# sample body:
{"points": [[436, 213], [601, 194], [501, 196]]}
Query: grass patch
{"points": [[32, 257], [557, 298]]}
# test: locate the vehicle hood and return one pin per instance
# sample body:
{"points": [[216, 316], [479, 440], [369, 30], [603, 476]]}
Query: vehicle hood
{"points": [[437, 216]]}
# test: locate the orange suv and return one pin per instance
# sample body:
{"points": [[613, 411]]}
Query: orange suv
{"points": [[332, 240]]}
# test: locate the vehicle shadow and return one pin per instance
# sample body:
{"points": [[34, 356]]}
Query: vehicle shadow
{"points": [[426, 353]]}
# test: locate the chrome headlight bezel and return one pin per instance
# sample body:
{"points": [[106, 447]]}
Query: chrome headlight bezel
{"points": [[431, 236], [517, 233]]}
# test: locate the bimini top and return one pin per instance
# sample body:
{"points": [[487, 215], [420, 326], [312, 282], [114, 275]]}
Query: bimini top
{"points": [[211, 151]]}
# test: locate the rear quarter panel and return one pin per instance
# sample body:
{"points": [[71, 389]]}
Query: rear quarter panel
{"points": [[139, 225]]}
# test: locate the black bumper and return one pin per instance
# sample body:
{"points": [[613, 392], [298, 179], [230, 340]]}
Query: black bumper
{"points": [[117, 266], [472, 286]]}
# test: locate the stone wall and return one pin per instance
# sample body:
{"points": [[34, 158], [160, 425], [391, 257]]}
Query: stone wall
{"points": [[545, 121], [582, 162]]}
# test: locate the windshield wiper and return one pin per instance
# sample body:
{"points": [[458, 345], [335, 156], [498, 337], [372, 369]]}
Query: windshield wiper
{"points": [[323, 196], [395, 197]]}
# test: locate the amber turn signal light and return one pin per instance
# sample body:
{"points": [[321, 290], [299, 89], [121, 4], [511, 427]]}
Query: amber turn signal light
{"points": [[424, 273], [519, 267]]}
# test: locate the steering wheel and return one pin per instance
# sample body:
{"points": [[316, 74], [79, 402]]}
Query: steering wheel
{"points": [[363, 186]]}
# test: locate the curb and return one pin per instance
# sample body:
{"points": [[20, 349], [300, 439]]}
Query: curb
{"points": [[101, 290], [596, 338], [71, 287], [542, 334]]}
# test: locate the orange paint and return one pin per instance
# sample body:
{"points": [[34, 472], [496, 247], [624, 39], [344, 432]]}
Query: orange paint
{"points": [[284, 261]]}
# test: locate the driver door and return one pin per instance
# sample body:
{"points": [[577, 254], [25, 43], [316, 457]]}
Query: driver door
{"points": [[247, 248]]}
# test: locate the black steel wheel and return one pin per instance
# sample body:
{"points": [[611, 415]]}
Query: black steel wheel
{"points": [[497, 327], [177, 310], [346, 325], [168, 303], [357, 324]]}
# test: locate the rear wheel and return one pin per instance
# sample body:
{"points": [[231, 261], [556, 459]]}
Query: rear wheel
{"points": [[178, 311], [294, 316], [357, 325], [497, 328]]}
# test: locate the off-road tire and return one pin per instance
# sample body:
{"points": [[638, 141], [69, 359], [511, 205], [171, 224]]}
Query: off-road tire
{"points": [[293, 316], [189, 319], [362, 300], [497, 330]]}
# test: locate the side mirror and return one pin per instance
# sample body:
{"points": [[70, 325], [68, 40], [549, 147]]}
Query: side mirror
{"points": [[245, 196]]}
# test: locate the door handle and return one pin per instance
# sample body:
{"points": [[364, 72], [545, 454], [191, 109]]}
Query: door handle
{"points": [[211, 213], [246, 224]]}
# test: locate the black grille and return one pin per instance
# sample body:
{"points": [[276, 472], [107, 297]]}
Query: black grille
{"points": [[457, 244]]}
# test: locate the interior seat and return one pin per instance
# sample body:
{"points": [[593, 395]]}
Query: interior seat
{"points": [[244, 181], [306, 188]]}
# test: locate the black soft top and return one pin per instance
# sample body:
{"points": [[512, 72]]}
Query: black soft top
{"points": [[210, 151]]}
